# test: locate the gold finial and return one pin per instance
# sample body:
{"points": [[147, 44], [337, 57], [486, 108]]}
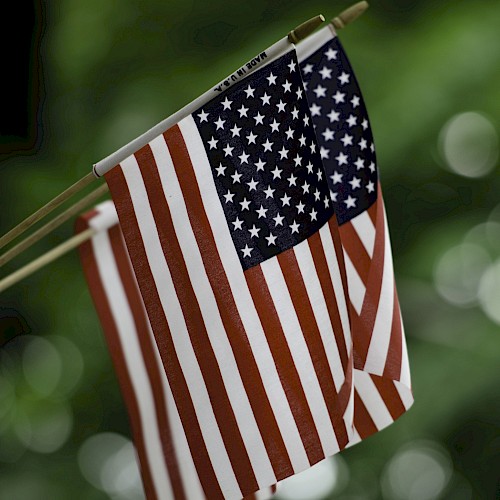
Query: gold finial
{"points": [[305, 29], [349, 15]]}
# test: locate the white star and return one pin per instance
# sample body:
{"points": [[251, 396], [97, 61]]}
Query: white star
{"points": [[245, 204], [271, 79], [341, 159], [275, 126], [306, 120], [325, 73], [326, 202], [203, 116], [227, 103], [319, 174], [320, 91], [260, 165], [317, 194], [315, 109], [333, 196], [300, 208], [271, 239], [351, 121], [355, 101], [338, 97], [313, 214], [236, 177], [281, 106], [276, 173], [355, 183], [372, 147], [307, 69], [324, 153], [362, 144], [360, 163], [269, 192], [267, 145], [247, 251], [295, 227], [364, 124], [336, 177], [297, 160], [312, 147], [283, 153], [370, 187], [331, 54], [243, 111], [346, 140], [220, 123], [292, 180], [251, 138], [372, 167], [249, 91], [298, 93], [305, 187], [291, 66], [295, 113], [333, 115], [252, 185], [262, 211], [228, 150], [285, 200], [278, 220], [343, 78], [213, 143], [229, 196], [287, 86], [235, 130], [302, 140], [309, 167], [350, 202], [259, 119], [328, 134], [237, 223], [254, 232], [265, 98], [220, 170], [289, 133], [243, 157]]}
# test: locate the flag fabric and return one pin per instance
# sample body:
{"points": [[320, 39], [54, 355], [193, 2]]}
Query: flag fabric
{"points": [[230, 227], [381, 374], [167, 468]]}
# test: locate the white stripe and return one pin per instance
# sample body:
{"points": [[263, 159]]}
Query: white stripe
{"points": [[313, 42], [317, 299], [338, 287], [264, 494], [243, 298], [355, 438], [219, 341], [300, 354], [180, 335], [381, 336], [373, 401], [405, 365], [355, 285], [124, 321], [349, 412], [365, 229], [405, 394]]}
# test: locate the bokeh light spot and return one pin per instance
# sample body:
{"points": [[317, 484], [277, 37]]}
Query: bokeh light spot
{"points": [[489, 292], [468, 144]]}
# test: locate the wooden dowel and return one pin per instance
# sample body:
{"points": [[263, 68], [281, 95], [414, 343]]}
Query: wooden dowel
{"points": [[53, 224], [305, 29], [349, 15], [46, 209], [46, 258]]}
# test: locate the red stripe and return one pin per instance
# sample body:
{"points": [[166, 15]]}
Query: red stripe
{"points": [[284, 363], [310, 330], [113, 340], [195, 324], [372, 211], [147, 349], [356, 251], [390, 395], [363, 422], [233, 325], [394, 359], [128, 221]]}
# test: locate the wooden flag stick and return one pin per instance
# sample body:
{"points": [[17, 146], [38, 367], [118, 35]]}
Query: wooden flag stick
{"points": [[53, 224], [46, 258], [46, 209], [349, 15]]}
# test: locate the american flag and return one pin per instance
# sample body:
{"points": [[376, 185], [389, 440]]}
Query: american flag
{"points": [[381, 371], [230, 227], [167, 467]]}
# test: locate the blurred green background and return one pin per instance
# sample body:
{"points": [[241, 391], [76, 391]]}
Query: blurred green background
{"points": [[102, 72]]}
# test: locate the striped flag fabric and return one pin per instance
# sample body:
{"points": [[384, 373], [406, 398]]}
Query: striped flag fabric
{"points": [[381, 370], [166, 464], [231, 231]]}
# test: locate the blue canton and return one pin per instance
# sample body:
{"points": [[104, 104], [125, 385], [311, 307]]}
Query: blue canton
{"points": [[343, 130], [266, 164]]}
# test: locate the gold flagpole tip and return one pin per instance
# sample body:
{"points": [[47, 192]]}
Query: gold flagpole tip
{"points": [[305, 29], [349, 15]]}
